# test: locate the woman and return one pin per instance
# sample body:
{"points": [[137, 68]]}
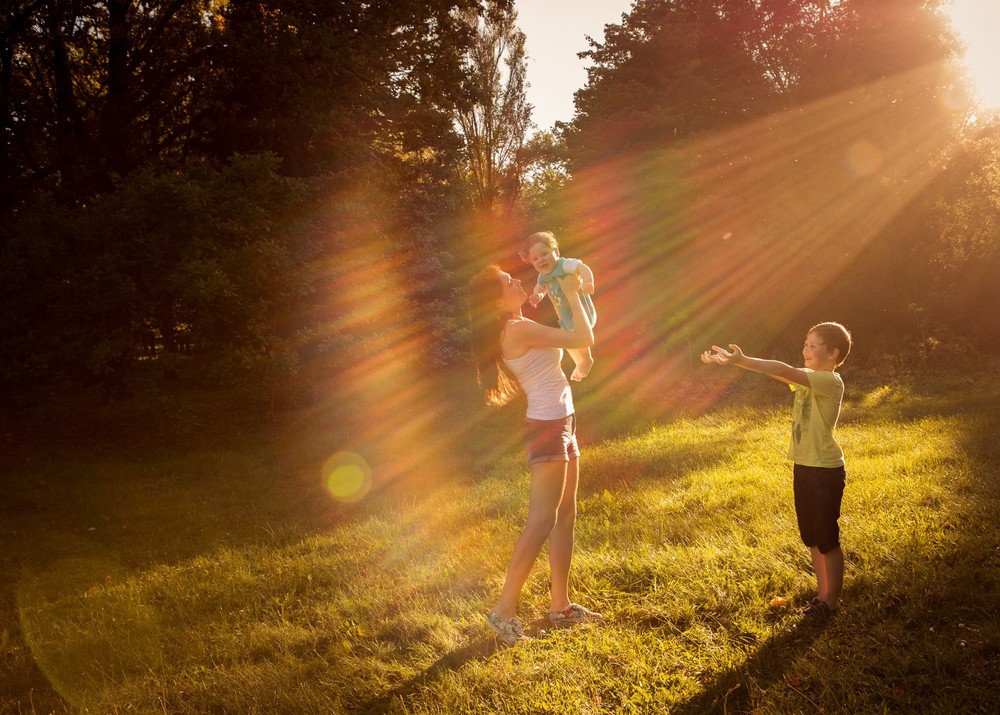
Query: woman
{"points": [[511, 353]]}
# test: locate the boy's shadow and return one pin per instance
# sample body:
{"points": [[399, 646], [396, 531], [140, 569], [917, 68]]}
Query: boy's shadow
{"points": [[766, 666]]}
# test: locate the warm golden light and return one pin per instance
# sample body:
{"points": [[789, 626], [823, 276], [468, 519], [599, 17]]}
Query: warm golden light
{"points": [[347, 476], [977, 22], [733, 233]]}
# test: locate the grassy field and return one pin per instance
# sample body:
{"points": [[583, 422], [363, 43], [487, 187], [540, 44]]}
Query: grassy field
{"points": [[209, 569]]}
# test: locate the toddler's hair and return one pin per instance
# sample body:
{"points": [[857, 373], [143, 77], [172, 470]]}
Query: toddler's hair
{"points": [[546, 237], [834, 335]]}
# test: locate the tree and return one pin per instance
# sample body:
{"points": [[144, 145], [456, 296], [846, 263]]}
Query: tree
{"points": [[93, 90], [148, 155], [959, 280], [206, 249], [672, 69], [544, 156], [327, 84], [680, 68], [495, 122]]}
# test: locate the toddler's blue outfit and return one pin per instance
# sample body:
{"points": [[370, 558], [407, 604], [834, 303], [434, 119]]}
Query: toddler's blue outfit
{"points": [[564, 267]]}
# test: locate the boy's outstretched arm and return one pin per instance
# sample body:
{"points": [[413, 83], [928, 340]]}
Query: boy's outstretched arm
{"points": [[780, 371]]}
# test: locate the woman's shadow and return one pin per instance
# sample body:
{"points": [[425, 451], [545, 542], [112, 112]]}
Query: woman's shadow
{"points": [[478, 650]]}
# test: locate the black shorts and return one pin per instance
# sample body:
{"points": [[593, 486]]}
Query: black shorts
{"points": [[551, 440], [818, 494]]}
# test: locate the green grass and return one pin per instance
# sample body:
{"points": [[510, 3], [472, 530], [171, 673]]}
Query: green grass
{"points": [[214, 574]]}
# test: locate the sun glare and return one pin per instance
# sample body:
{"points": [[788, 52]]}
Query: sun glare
{"points": [[976, 22]]}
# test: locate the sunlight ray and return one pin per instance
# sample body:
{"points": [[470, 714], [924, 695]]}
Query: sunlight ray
{"points": [[754, 222], [726, 237]]}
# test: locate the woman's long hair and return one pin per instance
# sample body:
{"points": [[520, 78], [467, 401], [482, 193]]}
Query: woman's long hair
{"points": [[486, 324]]}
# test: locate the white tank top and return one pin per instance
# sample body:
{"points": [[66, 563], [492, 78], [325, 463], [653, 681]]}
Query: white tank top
{"points": [[541, 377]]}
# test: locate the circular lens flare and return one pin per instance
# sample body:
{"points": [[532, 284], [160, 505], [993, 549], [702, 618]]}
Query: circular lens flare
{"points": [[347, 476], [864, 158]]}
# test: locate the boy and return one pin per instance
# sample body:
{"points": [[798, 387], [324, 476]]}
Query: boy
{"points": [[819, 473], [541, 250]]}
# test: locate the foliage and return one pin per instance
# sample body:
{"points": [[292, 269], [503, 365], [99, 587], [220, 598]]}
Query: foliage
{"points": [[97, 89], [325, 85], [741, 170], [545, 158], [678, 68], [147, 153], [669, 70], [965, 253], [197, 247]]}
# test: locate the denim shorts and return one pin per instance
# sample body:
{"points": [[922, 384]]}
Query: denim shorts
{"points": [[818, 494], [551, 440]]}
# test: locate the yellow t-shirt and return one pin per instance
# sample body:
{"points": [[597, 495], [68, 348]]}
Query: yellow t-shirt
{"points": [[814, 419]]}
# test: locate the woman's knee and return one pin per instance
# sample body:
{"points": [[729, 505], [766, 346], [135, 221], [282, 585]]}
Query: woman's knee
{"points": [[540, 526], [566, 516]]}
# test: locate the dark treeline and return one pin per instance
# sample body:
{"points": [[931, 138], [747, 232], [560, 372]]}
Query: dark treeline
{"points": [[302, 187], [208, 175]]}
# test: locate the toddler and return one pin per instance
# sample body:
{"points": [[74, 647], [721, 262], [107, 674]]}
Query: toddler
{"points": [[541, 250]]}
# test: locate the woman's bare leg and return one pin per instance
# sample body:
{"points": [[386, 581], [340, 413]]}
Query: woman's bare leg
{"points": [[561, 540], [548, 480]]}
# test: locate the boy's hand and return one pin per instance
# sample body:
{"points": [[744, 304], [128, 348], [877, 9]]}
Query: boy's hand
{"points": [[535, 299], [721, 356], [588, 287]]}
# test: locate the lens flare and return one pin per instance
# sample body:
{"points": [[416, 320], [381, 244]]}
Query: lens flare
{"points": [[347, 476], [864, 158], [734, 232]]}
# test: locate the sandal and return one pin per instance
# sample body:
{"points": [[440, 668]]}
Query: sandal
{"points": [[509, 631], [574, 613]]}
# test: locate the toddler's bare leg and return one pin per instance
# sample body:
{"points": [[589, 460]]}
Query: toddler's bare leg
{"points": [[584, 361]]}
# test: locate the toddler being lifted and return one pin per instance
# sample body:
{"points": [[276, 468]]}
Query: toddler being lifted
{"points": [[541, 250]]}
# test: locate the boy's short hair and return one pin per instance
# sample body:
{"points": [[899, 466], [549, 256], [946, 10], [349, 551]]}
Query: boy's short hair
{"points": [[546, 237], [834, 335]]}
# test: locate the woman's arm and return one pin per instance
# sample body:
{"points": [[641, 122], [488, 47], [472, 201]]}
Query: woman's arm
{"points": [[527, 334]]}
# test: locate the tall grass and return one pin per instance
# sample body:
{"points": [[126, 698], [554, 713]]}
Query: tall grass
{"points": [[222, 580]]}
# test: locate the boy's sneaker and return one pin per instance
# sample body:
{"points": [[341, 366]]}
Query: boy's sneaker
{"points": [[817, 611], [574, 613], [510, 631]]}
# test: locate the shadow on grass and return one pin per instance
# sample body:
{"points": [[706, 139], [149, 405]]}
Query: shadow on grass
{"points": [[479, 650], [731, 691]]}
